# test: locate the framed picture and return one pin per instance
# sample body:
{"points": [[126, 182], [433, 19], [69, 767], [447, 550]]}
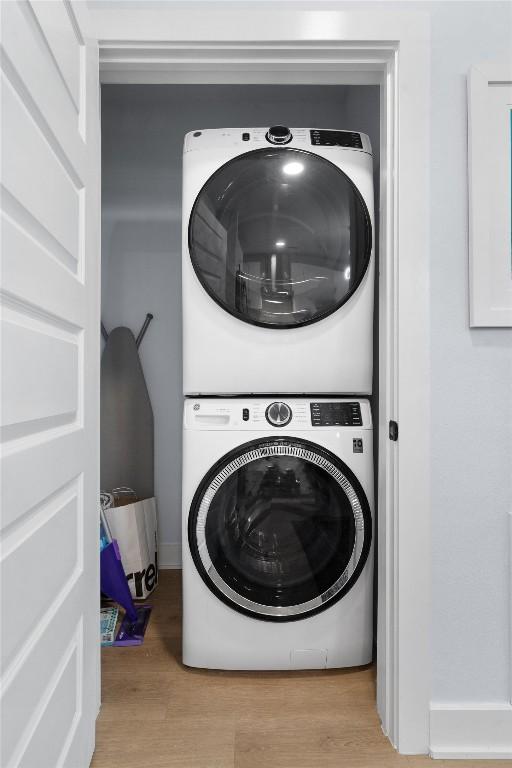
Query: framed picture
{"points": [[490, 195]]}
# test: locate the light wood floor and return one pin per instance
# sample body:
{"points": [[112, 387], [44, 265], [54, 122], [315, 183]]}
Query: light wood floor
{"points": [[158, 714]]}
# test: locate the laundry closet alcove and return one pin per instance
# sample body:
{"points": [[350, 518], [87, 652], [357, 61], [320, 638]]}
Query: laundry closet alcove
{"points": [[143, 130]]}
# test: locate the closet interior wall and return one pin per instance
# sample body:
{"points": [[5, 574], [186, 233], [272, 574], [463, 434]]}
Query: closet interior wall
{"points": [[142, 136]]}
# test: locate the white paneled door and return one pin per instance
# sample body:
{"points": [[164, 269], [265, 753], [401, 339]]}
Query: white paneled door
{"points": [[50, 385]]}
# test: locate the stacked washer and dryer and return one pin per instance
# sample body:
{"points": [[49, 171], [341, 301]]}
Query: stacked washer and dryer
{"points": [[277, 434]]}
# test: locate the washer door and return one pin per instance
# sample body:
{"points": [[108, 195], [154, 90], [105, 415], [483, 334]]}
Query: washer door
{"points": [[280, 237], [280, 529]]}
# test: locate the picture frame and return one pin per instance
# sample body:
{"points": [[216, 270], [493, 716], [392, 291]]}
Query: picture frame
{"points": [[490, 194]]}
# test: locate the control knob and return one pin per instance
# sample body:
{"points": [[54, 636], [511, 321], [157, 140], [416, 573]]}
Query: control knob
{"points": [[278, 414], [278, 134]]}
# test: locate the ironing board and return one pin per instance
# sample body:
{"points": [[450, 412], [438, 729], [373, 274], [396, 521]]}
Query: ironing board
{"points": [[127, 430]]}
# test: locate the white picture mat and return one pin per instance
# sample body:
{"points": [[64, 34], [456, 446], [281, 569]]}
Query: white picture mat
{"points": [[490, 267]]}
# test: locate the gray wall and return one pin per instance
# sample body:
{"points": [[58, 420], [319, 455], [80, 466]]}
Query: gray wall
{"points": [[142, 135]]}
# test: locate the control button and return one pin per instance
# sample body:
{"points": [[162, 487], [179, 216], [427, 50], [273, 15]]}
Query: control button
{"points": [[278, 414], [246, 136], [245, 414], [278, 134]]}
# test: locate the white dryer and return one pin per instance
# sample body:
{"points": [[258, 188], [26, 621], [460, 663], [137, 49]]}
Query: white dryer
{"points": [[277, 533], [277, 261]]}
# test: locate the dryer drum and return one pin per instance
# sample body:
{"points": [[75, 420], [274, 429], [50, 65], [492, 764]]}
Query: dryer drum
{"points": [[280, 529], [280, 238]]}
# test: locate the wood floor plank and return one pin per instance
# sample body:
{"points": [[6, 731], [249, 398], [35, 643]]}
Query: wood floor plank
{"points": [[156, 713], [304, 742], [182, 743]]}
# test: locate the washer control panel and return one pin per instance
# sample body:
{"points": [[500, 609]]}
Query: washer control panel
{"points": [[347, 414], [278, 414], [266, 414]]}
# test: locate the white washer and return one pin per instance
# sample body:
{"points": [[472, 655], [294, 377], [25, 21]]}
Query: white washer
{"points": [[277, 261], [277, 533]]}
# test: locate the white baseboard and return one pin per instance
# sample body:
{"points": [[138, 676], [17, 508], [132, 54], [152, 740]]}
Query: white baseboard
{"points": [[169, 554], [471, 732]]}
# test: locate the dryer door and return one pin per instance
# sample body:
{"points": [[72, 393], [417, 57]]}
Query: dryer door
{"points": [[280, 237], [280, 529]]}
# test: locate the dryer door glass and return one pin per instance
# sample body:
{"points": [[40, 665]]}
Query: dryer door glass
{"points": [[280, 529], [280, 237]]}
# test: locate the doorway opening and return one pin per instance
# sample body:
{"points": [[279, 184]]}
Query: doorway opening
{"points": [[143, 128]]}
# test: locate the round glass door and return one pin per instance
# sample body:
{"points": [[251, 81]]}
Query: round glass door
{"points": [[280, 237], [280, 529]]}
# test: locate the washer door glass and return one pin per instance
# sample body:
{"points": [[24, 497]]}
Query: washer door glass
{"points": [[280, 529], [280, 237]]}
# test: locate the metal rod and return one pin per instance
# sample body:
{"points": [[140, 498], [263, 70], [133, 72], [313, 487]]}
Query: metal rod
{"points": [[104, 332], [143, 330]]}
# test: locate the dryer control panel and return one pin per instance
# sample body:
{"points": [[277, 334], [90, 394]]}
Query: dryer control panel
{"points": [[321, 138], [239, 140]]}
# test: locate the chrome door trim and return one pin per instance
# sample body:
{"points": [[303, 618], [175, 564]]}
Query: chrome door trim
{"points": [[265, 451]]}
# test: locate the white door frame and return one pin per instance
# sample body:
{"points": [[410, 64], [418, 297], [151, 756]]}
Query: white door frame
{"points": [[153, 44]]}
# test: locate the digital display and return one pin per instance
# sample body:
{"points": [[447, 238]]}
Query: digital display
{"points": [[336, 415], [336, 139]]}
